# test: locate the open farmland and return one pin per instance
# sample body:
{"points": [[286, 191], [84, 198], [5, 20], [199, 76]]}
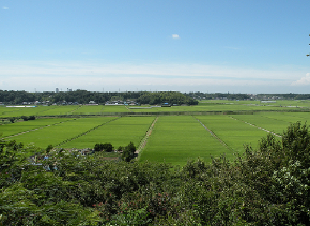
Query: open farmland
{"points": [[59, 110], [20, 111], [16, 129], [289, 117], [60, 133], [209, 107], [278, 103], [216, 107], [232, 132], [276, 123], [98, 109], [177, 139], [37, 111], [209, 129], [117, 132]]}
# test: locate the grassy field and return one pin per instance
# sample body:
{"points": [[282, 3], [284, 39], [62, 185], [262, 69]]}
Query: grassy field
{"points": [[24, 126], [118, 132], [272, 122], [216, 106], [174, 139], [234, 133], [97, 109], [177, 139], [57, 134], [15, 112], [279, 103], [208, 107], [36, 111]]}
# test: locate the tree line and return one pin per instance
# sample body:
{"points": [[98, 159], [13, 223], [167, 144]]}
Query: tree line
{"points": [[84, 97], [267, 186], [142, 97]]}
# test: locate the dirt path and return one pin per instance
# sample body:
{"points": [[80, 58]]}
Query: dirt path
{"points": [[256, 126], [146, 137], [213, 134]]}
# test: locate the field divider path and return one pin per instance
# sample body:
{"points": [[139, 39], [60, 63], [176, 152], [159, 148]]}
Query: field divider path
{"points": [[85, 133], [32, 130], [39, 112], [258, 127], [146, 137], [76, 108], [128, 108], [213, 134]]}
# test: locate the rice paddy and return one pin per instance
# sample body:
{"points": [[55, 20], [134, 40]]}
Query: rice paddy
{"points": [[208, 130], [60, 133], [178, 139], [118, 132]]}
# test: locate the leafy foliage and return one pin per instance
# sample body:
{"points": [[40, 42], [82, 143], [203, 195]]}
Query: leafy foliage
{"points": [[268, 186], [98, 147], [84, 97], [162, 97], [25, 118], [128, 152]]}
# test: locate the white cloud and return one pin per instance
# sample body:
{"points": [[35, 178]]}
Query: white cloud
{"points": [[175, 36], [94, 75], [96, 83], [304, 81], [29, 68], [5, 7]]}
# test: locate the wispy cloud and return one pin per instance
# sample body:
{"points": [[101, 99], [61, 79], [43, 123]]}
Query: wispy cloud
{"points": [[5, 7], [77, 68], [175, 36], [123, 82], [93, 75], [304, 81]]}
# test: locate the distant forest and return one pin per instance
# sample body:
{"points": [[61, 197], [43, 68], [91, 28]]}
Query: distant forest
{"points": [[141, 97], [85, 97]]}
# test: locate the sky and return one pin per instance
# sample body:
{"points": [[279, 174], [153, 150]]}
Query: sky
{"points": [[240, 46]]}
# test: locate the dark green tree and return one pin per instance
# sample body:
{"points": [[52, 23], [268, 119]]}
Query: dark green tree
{"points": [[25, 118], [49, 148], [99, 147], [108, 147], [129, 151], [31, 118]]}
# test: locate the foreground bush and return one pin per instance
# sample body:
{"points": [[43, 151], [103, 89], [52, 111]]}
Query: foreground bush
{"points": [[268, 186]]}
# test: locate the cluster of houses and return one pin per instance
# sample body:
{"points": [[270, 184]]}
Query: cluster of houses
{"points": [[251, 97], [36, 103], [120, 102], [262, 97], [39, 158]]}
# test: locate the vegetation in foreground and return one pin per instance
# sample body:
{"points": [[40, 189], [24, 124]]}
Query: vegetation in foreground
{"points": [[268, 186]]}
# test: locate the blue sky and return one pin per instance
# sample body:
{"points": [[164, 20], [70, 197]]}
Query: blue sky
{"points": [[238, 46]]}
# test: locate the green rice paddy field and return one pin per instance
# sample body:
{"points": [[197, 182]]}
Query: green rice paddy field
{"points": [[102, 110], [172, 139]]}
